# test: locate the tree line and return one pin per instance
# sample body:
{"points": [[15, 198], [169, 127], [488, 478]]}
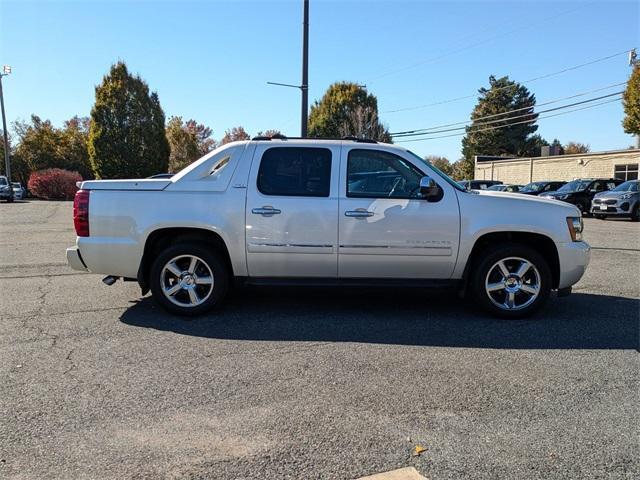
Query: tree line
{"points": [[126, 135]]}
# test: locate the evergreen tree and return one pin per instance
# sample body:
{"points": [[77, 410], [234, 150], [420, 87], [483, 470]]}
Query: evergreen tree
{"points": [[347, 109], [534, 145], [503, 100], [127, 135]]}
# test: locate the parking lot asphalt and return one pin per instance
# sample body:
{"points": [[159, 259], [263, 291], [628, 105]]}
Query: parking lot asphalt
{"points": [[98, 382]]}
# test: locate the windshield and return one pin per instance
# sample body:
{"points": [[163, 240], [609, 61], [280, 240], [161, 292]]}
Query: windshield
{"points": [[3, 181], [630, 186], [15, 184], [533, 187], [497, 188], [444, 176], [575, 186]]}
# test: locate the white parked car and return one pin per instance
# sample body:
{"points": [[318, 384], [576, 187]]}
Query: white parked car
{"points": [[317, 212], [19, 191]]}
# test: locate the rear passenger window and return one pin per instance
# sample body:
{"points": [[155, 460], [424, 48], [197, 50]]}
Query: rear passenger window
{"points": [[295, 172]]}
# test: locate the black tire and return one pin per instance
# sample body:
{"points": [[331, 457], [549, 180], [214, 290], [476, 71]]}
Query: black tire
{"points": [[599, 217], [580, 206], [635, 214], [486, 263], [208, 261]]}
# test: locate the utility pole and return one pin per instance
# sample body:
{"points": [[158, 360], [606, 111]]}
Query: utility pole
{"points": [[633, 63], [304, 87], [304, 114], [6, 70]]}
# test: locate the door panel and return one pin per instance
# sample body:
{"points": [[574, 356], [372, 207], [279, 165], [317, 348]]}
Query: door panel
{"points": [[394, 237], [291, 212]]}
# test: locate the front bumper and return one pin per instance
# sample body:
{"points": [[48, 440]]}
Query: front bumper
{"points": [[75, 260], [612, 206], [574, 258]]}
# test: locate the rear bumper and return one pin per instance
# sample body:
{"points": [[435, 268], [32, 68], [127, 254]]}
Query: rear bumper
{"points": [[75, 260], [574, 258]]}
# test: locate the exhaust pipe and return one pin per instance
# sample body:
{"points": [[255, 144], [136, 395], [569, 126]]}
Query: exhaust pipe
{"points": [[109, 280]]}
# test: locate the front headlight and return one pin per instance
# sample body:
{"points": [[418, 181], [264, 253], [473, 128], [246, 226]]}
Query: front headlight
{"points": [[562, 197], [626, 196], [575, 228]]}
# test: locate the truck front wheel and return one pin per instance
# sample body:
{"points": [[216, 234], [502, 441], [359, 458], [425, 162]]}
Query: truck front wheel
{"points": [[511, 281], [188, 279]]}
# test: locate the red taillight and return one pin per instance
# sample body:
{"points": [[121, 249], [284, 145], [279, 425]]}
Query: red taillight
{"points": [[81, 213]]}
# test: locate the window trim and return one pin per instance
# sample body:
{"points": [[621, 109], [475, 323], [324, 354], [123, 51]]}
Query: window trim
{"points": [[297, 147], [366, 195], [625, 169]]}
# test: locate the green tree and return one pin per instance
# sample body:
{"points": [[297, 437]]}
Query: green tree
{"points": [[463, 169], [269, 133], [19, 170], [202, 135], [345, 109], [556, 143], [127, 136], [441, 163], [534, 145], [576, 147], [73, 147], [38, 144], [234, 135], [182, 143], [631, 103], [503, 101]]}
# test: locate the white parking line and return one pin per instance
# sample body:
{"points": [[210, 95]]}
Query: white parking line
{"points": [[408, 473]]}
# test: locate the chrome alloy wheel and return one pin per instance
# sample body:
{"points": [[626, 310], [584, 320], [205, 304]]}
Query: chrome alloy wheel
{"points": [[512, 283], [186, 281]]}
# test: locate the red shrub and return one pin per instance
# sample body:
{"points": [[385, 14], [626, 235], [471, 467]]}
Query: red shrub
{"points": [[54, 184]]}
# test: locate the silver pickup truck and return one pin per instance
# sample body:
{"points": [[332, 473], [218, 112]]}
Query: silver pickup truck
{"points": [[318, 212]]}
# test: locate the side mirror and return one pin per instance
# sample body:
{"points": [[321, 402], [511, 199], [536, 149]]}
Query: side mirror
{"points": [[429, 188]]}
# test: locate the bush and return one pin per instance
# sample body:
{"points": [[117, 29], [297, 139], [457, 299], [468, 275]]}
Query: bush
{"points": [[54, 184]]}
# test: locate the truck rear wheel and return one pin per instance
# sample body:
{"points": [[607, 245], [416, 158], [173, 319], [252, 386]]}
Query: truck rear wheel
{"points": [[511, 281], [188, 279]]}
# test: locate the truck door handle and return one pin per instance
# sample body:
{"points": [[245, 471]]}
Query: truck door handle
{"points": [[358, 213], [266, 210]]}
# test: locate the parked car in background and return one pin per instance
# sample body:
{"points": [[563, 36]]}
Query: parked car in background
{"points": [[478, 184], [6, 192], [19, 192], [324, 212], [504, 188], [580, 192], [536, 188], [622, 201]]}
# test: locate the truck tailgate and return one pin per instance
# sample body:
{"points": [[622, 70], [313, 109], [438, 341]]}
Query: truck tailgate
{"points": [[142, 184]]}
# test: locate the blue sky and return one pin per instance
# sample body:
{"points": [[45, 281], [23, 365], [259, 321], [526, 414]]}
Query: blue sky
{"points": [[210, 60]]}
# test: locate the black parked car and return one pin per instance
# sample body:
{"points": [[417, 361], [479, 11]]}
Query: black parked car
{"points": [[537, 188], [581, 192], [478, 184]]}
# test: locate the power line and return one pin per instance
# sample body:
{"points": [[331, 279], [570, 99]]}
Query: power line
{"points": [[529, 26], [581, 94], [541, 77], [527, 115], [516, 123]]}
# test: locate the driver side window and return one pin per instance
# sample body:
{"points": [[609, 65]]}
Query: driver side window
{"points": [[379, 174]]}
